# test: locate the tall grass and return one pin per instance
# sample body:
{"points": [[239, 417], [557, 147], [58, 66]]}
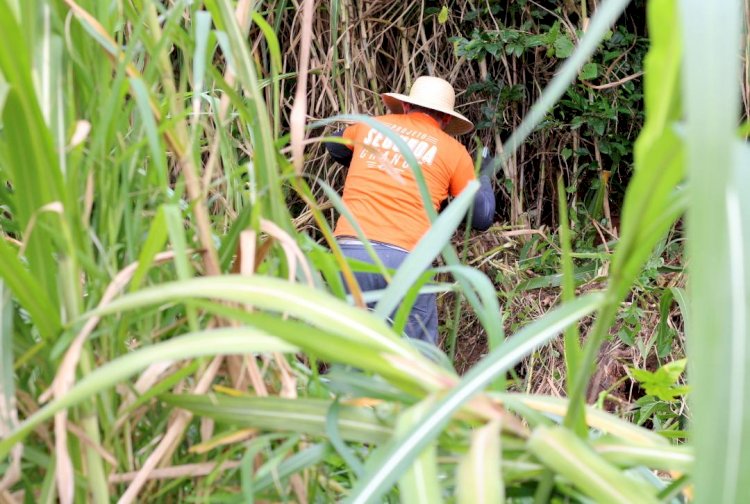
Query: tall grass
{"points": [[142, 146]]}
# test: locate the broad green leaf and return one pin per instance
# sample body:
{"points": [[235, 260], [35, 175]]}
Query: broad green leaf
{"points": [[563, 47], [443, 15], [213, 342], [392, 459], [661, 383], [567, 455], [589, 71], [301, 415]]}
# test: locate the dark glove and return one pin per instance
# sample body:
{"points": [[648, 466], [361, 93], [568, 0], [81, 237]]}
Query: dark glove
{"points": [[484, 202], [340, 153]]}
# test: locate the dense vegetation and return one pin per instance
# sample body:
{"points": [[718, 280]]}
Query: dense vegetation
{"points": [[171, 291]]}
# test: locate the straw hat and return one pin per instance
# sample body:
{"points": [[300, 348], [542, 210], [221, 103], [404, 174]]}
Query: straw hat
{"points": [[433, 93]]}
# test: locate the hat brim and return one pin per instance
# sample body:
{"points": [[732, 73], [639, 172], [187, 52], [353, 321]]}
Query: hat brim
{"points": [[458, 125]]}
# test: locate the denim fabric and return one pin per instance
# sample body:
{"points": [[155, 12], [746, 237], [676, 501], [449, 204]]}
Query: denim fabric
{"points": [[423, 322]]}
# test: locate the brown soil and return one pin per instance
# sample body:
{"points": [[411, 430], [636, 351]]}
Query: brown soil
{"points": [[544, 371]]}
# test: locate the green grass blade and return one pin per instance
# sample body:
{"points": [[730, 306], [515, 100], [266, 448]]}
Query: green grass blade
{"points": [[420, 483], [652, 202], [202, 26], [274, 48], [264, 156], [298, 462], [399, 453], [571, 338], [8, 411], [303, 415], [718, 234], [479, 471], [681, 296], [29, 293], [332, 431], [602, 421], [663, 458], [33, 170], [305, 303], [215, 342], [155, 142], [155, 241], [567, 455]]}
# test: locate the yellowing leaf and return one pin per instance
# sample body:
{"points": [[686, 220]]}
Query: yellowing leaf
{"points": [[223, 439], [443, 15]]}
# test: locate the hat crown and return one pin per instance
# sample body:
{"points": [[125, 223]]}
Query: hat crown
{"points": [[433, 92]]}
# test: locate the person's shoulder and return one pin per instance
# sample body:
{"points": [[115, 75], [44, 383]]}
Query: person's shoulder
{"points": [[389, 118], [453, 143]]}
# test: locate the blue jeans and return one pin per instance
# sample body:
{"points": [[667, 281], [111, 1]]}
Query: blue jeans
{"points": [[423, 322]]}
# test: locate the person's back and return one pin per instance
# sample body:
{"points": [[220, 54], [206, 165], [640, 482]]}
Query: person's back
{"points": [[382, 194], [381, 190]]}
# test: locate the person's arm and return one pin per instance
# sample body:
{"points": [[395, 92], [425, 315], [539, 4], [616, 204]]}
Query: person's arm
{"points": [[484, 201], [340, 153]]}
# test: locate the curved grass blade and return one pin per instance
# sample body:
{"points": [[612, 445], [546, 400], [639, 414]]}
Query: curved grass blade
{"points": [[332, 431], [479, 471], [302, 415], [567, 455], [663, 458], [203, 343], [399, 453], [298, 462], [420, 483], [299, 301], [595, 418]]}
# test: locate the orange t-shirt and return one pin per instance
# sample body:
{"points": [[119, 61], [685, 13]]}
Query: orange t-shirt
{"points": [[381, 190]]}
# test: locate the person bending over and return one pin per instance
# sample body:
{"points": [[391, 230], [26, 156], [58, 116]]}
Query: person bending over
{"points": [[382, 194]]}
